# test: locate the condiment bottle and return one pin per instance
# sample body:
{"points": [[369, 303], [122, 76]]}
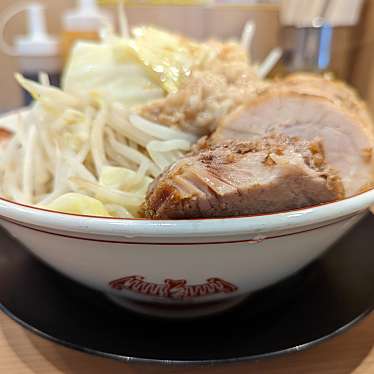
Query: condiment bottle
{"points": [[82, 23], [37, 51]]}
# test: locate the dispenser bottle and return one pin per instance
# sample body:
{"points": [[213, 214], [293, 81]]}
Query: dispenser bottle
{"points": [[37, 51], [82, 23]]}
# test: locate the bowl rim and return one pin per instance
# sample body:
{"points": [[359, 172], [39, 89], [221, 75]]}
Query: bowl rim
{"points": [[41, 209], [254, 225], [195, 227]]}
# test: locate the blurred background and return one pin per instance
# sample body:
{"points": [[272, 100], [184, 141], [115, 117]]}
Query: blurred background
{"points": [[352, 23]]}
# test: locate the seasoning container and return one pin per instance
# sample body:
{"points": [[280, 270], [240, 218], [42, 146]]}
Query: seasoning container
{"points": [[82, 23], [307, 48], [308, 28], [37, 51]]}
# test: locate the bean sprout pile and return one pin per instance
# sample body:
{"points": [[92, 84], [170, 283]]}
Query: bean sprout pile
{"points": [[72, 153]]}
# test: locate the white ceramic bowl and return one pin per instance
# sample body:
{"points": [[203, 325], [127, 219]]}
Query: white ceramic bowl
{"points": [[180, 268], [158, 266]]}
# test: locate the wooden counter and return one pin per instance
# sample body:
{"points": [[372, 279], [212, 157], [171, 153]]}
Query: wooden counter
{"points": [[22, 352]]}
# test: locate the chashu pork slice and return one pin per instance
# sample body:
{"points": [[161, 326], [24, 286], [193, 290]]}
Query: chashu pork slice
{"points": [[337, 91], [242, 178], [311, 109]]}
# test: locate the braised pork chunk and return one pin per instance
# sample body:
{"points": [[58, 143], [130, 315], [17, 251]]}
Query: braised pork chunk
{"points": [[241, 178], [309, 107]]}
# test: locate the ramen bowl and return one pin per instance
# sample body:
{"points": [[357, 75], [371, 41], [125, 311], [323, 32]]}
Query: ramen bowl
{"points": [[181, 268]]}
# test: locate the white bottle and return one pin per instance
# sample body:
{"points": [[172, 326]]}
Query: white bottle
{"points": [[37, 51]]}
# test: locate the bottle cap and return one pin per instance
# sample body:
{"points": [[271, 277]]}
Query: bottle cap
{"points": [[37, 41], [86, 17]]}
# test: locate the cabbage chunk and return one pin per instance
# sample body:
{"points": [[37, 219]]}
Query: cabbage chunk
{"points": [[122, 179], [76, 203], [169, 57], [93, 69]]}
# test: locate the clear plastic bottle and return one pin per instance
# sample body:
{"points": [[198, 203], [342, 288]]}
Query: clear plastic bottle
{"points": [[37, 51]]}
